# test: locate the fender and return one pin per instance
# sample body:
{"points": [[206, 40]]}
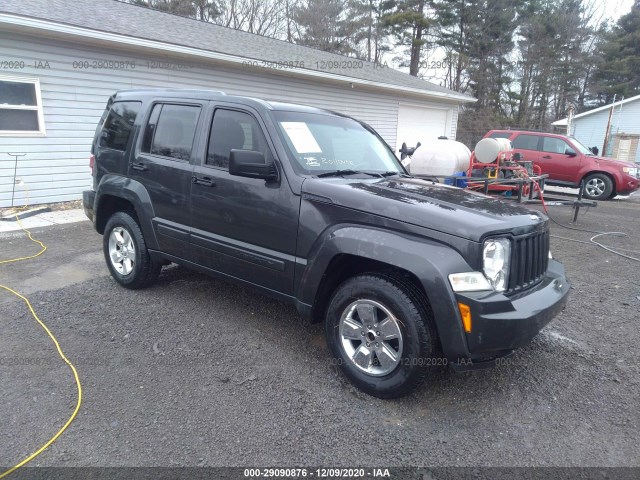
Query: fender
{"points": [[134, 192], [431, 262], [615, 175]]}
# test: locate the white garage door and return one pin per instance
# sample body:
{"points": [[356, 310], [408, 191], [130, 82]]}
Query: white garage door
{"points": [[420, 124]]}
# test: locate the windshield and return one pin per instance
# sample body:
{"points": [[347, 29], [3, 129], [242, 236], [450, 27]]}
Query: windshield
{"points": [[580, 147], [324, 143]]}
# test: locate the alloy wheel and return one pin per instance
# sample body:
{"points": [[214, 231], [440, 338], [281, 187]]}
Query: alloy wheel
{"points": [[122, 251], [371, 337]]}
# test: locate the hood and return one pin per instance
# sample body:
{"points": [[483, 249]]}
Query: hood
{"points": [[613, 161], [427, 204]]}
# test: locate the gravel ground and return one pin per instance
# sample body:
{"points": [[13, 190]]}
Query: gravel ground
{"points": [[196, 372]]}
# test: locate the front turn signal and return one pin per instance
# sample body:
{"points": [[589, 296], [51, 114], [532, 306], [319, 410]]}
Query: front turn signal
{"points": [[465, 313]]}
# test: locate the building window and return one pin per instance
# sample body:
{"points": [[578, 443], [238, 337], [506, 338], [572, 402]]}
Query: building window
{"points": [[20, 107]]}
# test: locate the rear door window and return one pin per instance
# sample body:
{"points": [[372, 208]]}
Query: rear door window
{"points": [[526, 142], [171, 130]]}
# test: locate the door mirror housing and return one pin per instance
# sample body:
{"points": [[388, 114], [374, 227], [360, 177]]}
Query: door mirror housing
{"points": [[247, 163], [570, 152]]}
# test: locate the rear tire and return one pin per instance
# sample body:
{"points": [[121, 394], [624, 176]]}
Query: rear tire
{"points": [[126, 254], [598, 186], [381, 335]]}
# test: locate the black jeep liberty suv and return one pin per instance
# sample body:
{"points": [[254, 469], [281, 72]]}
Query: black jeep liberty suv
{"points": [[313, 207]]}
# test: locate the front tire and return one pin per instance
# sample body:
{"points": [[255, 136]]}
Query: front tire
{"points": [[598, 186], [380, 333], [126, 254]]}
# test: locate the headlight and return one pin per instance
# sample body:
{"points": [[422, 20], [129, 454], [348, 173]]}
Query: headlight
{"points": [[495, 261], [469, 282], [631, 171]]}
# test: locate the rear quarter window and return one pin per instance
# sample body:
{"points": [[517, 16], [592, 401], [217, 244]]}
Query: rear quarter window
{"points": [[118, 124]]}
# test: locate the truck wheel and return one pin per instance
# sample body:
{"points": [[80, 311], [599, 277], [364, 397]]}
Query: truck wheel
{"points": [[380, 335], [598, 186], [126, 253]]}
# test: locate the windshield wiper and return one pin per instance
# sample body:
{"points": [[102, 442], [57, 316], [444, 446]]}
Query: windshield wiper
{"points": [[347, 171]]}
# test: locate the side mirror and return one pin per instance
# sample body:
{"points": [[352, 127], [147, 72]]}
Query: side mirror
{"points": [[570, 152], [517, 157], [247, 163]]}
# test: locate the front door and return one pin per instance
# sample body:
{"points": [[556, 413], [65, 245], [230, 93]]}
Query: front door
{"points": [[243, 227], [163, 165], [557, 160]]}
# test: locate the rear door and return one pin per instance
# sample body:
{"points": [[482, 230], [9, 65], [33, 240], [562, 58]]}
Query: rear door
{"points": [[163, 164], [528, 146], [243, 227]]}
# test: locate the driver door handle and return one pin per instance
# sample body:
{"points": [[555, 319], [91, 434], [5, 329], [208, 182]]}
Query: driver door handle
{"points": [[204, 181], [139, 166], [546, 156]]}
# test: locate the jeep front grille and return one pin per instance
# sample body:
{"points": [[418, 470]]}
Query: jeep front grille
{"points": [[529, 260]]}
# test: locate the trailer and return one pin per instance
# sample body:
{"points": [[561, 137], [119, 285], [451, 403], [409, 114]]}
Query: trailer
{"points": [[492, 168]]}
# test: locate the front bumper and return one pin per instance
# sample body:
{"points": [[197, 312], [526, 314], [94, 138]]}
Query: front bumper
{"points": [[629, 185], [503, 323], [88, 199]]}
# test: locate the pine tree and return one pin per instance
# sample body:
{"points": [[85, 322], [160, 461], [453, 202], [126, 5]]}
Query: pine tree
{"points": [[619, 72], [408, 23], [455, 19], [327, 25]]}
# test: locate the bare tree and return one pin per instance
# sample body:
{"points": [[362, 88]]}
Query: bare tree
{"points": [[267, 17], [207, 10]]}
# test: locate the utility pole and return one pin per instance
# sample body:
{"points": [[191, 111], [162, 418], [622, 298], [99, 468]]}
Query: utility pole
{"points": [[570, 119], [606, 133]]}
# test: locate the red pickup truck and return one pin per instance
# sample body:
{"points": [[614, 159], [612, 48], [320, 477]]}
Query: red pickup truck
{"points": [[568, 162]]}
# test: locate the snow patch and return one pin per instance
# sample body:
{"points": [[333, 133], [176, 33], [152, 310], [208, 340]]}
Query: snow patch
{"points": [[558, 337]]}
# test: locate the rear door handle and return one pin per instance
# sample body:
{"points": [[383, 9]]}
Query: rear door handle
{"points": [[204, 181], [139, 166]]}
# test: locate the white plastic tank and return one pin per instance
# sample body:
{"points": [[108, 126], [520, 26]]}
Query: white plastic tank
{"points": [[440, 158], [488, 149]]}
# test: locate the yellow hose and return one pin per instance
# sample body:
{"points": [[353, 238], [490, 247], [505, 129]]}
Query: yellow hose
{"points": [[60, 352]]}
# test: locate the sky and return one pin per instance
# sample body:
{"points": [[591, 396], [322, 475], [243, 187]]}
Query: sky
{"points": [[619, 8]]}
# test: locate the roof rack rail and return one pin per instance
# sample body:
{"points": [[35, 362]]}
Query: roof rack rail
{"points": [[520, 129], [162, 89]]}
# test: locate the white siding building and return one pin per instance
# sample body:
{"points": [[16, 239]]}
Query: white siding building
{"points": [[60, 62], [624, 131]]}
